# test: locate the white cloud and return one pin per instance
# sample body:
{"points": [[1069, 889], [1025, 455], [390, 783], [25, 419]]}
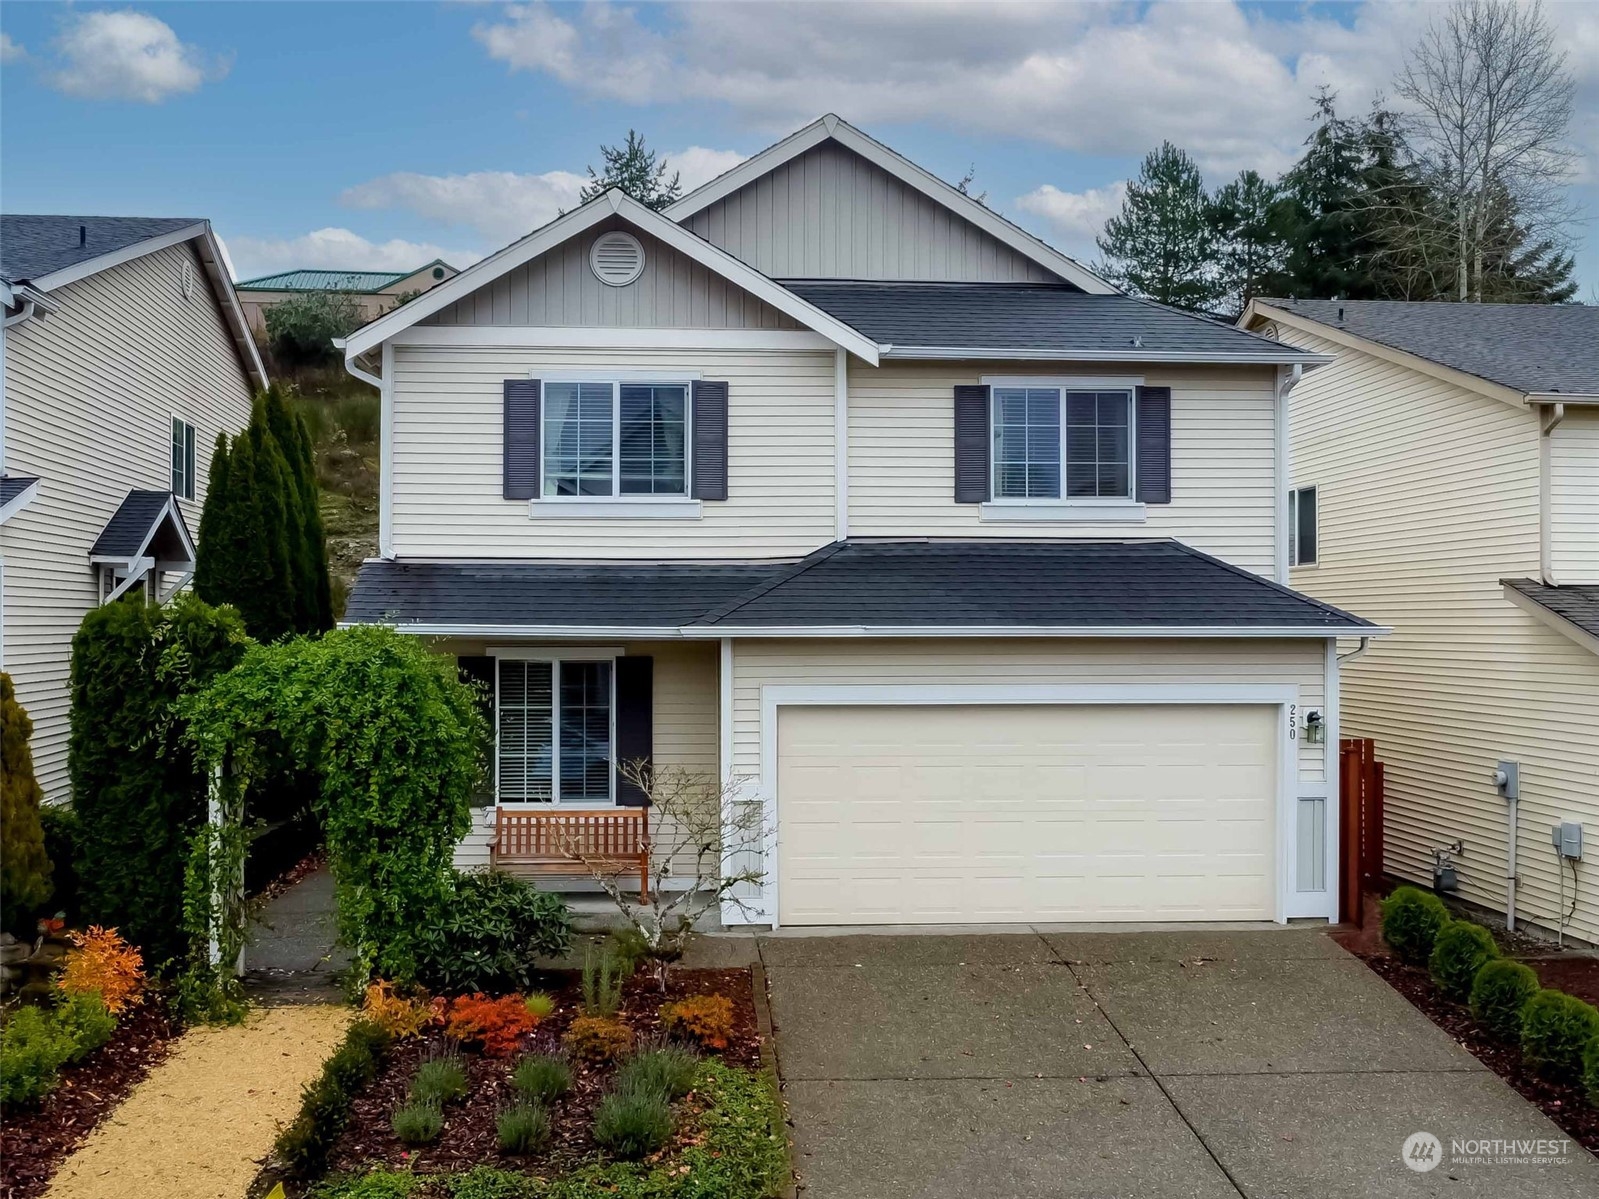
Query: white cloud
{"points": [[128, 55], [501, 205], [11, 51], [333, 248], [700, 164], [1075, 217]]}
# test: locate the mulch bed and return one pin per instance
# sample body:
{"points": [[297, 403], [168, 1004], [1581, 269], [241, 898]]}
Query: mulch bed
{"points": [[34, 1142], [283, 881], [470, 1138], [1565, 1105]]}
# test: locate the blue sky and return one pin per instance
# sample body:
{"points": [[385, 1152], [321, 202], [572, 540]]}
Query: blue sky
{"points": [[380, 134]]}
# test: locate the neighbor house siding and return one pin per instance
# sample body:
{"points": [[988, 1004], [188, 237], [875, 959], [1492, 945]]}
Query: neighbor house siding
{"points": [[829, 213], [1428, 496], [559, 288], [90, 392], [447, 442], [1223, 465], [1574, 498]]}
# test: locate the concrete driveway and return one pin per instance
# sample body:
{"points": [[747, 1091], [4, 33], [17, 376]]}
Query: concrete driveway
{"points": [[1195, 1064]]}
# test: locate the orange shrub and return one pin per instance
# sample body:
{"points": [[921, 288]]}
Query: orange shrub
{"points": [[103, 962], [395, 1014], [598, 1039], [496, 1026], [707, 1019]]}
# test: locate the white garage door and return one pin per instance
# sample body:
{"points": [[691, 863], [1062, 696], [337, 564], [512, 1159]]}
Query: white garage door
{"points": [[935, 815]]}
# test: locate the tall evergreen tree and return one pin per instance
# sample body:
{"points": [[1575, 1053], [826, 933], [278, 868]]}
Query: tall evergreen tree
{"points": [[277, 514], [1159, 244], [212, 563], [638, 171], [1329, 214], [1249, 231], [307, 554]]}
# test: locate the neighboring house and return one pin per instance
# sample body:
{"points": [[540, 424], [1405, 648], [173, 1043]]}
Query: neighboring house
{"points": [[374, 292], [125, 354], [832, 482], [1446, 474]]}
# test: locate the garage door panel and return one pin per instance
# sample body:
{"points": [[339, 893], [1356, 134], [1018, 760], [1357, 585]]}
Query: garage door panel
{"points": [[1015, 813]]}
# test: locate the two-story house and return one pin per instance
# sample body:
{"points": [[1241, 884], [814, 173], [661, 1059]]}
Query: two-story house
{"points": [[123, 353], [830, 481], [1445, 481]]}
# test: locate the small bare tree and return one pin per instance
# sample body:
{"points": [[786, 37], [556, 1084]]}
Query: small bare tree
{"points": [[704, 843], [1493, 102]]}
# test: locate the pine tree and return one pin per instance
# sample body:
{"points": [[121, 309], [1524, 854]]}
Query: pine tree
{"points": [[1329, 212], [1248, 226], [24, 866], [299, 507], [637, 171], [1159, 245]]}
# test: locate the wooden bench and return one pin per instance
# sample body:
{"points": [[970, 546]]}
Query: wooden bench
{"points": [[568, 841]]}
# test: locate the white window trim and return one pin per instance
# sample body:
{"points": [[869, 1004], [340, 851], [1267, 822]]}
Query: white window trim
{"points": [[191, 457], [669, 506], [574, 653], [1293, 526], [1063, 508]]}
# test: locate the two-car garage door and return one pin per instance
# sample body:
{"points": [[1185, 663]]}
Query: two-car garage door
{"points": [[1016, 813]]}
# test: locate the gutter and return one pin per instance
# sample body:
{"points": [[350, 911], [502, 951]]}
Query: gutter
{"points": [[1227, 358], [717, 632]]}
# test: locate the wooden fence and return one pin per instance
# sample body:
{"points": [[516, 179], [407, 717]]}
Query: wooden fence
{"points": [[1359, 825]]}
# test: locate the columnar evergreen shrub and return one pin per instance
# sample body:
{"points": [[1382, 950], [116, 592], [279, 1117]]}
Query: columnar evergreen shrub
{"points": [[24, 864], [1556, 1029], [1411, 921], [1459, 951], [1499, 993], [313, 602], [137, 788]]}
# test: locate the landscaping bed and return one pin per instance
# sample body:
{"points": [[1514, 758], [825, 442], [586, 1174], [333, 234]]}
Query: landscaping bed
{"points": [[34, 1141]]}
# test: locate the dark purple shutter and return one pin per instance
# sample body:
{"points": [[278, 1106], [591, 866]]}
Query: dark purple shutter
{"points": [[710, 440], [1154, 445], [971, 445], [521, 456], [635, 723]]}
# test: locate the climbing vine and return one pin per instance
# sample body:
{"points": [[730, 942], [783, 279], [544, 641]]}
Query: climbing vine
{"points": [[215, 911]]}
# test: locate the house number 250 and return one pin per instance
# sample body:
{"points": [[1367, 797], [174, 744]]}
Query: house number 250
{"points": [[1293, 722]]}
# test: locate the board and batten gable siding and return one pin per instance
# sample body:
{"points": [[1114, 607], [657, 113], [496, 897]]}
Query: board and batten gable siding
{"points": [[1223, 460], [559, 288], [1428, 495], [90, 392], [1574, 497], [831, 214], [447, 439]]}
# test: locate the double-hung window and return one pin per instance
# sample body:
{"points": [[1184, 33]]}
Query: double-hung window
{"points": [[554, 731], [182, 459], [615, 439], [1057, 442]]}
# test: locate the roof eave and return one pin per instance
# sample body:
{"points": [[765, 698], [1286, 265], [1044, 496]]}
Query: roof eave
{"points": [[1549, 617], [1245, 357], [699, 631]]}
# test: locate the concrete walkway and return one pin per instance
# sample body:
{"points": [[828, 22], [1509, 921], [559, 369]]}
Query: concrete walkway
{"points": [[1195, 1064], [291, 955]]}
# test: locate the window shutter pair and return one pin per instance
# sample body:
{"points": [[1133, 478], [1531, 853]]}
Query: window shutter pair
{"points": [[520, 455], [972, 445]]}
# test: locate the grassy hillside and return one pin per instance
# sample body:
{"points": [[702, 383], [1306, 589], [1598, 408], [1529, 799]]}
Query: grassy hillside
{"points": [[342, 415]]}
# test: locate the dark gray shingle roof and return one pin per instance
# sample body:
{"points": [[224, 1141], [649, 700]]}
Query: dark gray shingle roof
{"points": [[1577, 604], [912, 583], [1528, 347], [34, 246], [11, 486], [1023, 316], [130, 524]]}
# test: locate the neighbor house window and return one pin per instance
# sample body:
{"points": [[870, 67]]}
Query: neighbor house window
{"points": [[554, 731], [615, 439], [1302, 526], [182, 459], [1055, 443]]}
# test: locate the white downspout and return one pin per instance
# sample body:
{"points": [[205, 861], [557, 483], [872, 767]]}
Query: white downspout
{"points": [[1287, 379], [841, 442], [1548, 419]]}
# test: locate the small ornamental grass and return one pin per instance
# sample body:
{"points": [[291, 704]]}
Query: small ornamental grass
{"points": [[1556, 1029], [1411, 921], [440, 1079], [633, 1123], [540, 1005], [417, 1122], [603, 976], [542, 1078], [668, 1069], [523, 1127], [1499, 993], [1460, 950]]}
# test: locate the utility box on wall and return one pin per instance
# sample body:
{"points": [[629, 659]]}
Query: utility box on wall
{"points": [[1567, 838]]}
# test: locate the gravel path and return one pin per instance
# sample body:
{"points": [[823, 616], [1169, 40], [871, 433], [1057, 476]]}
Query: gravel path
{"points": [[198, 1126]]}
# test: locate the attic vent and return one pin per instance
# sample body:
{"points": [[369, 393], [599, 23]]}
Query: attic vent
{"points": [[617, 258], [186, 281]]}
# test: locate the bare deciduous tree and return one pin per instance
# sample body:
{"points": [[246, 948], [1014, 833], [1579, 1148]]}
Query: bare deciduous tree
{"points": [[1493, 102]]}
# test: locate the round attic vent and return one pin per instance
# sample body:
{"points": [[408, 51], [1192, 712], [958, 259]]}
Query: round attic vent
{"points": [[617, 258]]}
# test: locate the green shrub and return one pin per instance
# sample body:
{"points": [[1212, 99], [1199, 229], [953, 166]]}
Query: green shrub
{"points": [[303, 1146], [301, 329], [1555, 1031], [61, 847], [485, 1182], [33, 1048], [632, 1124], [1499, 993], [628, 946], [603, 975], [24, 862], [668, 1069], [417, 1122], [1460, 950], [542, 1078], [540, 1005], [489, 933], [85, 1018], [379, 1184], [1411, 921], [440, 1079], [523, 1127]]}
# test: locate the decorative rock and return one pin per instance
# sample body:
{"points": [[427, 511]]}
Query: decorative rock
{"points": [[14, 951]]}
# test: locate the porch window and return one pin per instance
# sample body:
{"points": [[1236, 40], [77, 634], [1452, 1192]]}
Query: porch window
{"points": [[615, 439], [1043, 436], [554, 721]]}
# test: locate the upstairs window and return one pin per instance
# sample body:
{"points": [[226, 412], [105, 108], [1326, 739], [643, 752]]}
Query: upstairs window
{"points": [[1053, 443], [615, 439], [1302, 530], [182, 459]]}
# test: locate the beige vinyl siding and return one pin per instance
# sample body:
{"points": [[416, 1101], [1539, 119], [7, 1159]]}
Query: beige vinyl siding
{"points": [[1428, 496], [979, 661], [1223, 474], [1574, 497], [90, 392], [447, 457], [559, 288], [829, 213]]}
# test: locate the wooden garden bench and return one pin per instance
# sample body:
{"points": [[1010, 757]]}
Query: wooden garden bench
{"points": [[569, 841]]}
